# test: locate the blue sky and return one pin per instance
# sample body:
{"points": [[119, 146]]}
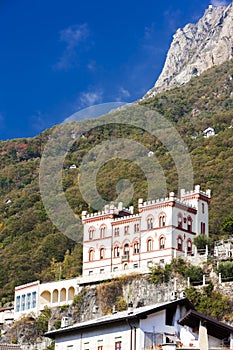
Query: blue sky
{"points": [[58, 57]]}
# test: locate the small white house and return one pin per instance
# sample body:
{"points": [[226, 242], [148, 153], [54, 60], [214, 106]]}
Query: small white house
{"points": [[166, 325], [73, 166], [151, 154], [6, 315], [209, 132]]}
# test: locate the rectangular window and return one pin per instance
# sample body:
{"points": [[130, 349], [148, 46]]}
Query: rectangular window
{"points": [[126, 229], [91, 234], [101, 271], [86, 346], [203, 208], [23, 302], [28, 306], [170, 315], [136, 228], [33, 300], [116, 231], [118, 345], [203, 227], [17, 303], [149, 263], [100, 345]]}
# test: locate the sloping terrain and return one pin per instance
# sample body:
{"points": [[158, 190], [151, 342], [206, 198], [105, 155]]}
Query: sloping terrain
{"points": [[30, 245]]}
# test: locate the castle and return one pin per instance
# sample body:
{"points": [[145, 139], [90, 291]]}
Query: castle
{"points": [[117, 239]]}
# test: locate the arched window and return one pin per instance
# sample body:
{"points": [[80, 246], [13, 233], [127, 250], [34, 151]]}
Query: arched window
{"points": [[116, 251], [91, 254], [150, 221], [102, 253], [162, 242], [162, 220], [136, 247], [149, 245], [189, 247], [126, 249], [102, 231], [180, 244], [91, 233], [179, 221], [189, 224]]}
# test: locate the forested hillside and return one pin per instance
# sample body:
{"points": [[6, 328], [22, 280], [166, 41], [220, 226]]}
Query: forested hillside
{"points": [[30, 245]]}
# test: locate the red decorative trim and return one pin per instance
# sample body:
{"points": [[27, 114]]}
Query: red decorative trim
{"points": [[97, 239], [97, 218], [198, 196], [125, 221]]}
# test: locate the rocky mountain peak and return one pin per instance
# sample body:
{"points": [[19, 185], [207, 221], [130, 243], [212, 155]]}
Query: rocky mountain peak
{"points": [[197, 47]]}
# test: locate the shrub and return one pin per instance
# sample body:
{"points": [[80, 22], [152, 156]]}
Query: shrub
{"points": [[201, 241], [160, 274], [195, 273], [226, 269], [43, 320]]}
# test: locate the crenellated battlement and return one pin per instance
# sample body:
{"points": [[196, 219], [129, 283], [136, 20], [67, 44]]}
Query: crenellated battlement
{"points": [[197, 190]]}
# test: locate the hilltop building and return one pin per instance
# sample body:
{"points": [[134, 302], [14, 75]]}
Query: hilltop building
{"points": [[117, 240]]}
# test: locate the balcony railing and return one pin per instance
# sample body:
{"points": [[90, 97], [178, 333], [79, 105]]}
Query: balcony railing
{"points": [[125, 258]]}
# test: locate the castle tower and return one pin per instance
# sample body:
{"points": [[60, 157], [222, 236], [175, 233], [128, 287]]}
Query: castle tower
{"points": [[200, 200]]}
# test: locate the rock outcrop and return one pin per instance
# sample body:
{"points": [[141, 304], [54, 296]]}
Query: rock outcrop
{"points": [[197, 47]]}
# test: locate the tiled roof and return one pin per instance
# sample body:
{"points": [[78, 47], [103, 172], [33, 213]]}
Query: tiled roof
{"points": [[137, 313]]}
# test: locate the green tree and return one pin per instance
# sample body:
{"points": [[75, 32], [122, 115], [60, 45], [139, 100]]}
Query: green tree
{"points": [[227, 225], [43, 321]]}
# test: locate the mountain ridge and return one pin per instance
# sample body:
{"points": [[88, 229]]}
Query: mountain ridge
{"points": [[197, 47]]}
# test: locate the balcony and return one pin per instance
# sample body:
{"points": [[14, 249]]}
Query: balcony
{"points": [[125, 258]]}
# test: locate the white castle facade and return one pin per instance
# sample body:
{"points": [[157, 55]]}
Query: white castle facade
{"points": [[116, 239]]}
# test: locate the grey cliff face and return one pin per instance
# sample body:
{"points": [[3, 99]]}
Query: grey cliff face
{"points": [[197, 47]]}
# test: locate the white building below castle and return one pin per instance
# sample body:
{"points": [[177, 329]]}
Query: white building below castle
{"points": [[33, 297]]}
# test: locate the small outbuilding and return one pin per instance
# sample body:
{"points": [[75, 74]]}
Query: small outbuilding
{"points": [[209, 132]]}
